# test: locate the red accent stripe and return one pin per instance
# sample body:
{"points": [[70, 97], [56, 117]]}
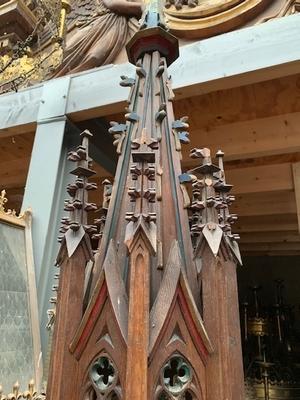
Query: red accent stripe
{"points": [[197, 339], [91, 320], [152, 43]]}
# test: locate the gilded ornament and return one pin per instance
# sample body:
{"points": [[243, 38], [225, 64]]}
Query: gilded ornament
{"points": [[62, 42], [29, 394], [3, 200], [25, 61]]}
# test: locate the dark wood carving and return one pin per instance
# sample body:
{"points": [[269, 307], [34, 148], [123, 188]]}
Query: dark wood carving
{"points": [[141, 328]]}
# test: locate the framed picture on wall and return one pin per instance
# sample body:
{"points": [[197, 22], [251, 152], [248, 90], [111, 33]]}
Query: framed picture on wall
{"points": [[20, 347]]}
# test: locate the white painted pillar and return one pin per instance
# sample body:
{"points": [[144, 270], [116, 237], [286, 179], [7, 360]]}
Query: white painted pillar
{"points": [[45, 190]]}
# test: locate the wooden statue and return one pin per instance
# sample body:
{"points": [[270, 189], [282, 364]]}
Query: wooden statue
{"points": [[157, 318], [101, 37]]}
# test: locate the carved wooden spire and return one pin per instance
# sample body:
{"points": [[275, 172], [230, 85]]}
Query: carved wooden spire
{"points": [[216, 252], [75, 228], [74, 253], [141, 335]]}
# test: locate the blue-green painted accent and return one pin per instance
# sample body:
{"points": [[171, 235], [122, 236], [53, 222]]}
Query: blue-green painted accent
{"points": [[122, 170], [176, 375], [103, 373]]}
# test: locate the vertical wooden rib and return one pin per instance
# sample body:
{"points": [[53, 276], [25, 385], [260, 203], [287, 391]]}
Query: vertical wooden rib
{"points": [[138, 324], [225, 378], [68, 316]]}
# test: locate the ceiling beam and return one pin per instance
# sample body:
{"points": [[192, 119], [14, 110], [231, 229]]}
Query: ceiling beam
{"points": [[270, 203], [13, 173], [14, 181], [250, 139], [266, 223], [237, 58], [270, 237], [268, 178], [268, 248], [270, 253]]}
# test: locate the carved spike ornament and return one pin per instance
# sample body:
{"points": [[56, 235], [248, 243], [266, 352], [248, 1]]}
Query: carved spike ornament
{"points": [[156, 316]]}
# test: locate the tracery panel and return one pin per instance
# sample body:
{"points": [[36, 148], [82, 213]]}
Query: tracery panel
{"points": [[177, 380], [103, 380]]}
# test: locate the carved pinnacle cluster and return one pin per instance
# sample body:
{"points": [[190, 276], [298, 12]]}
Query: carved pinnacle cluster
{"points": [[75, 227], [142, 169], [149, 136], [210, 203]]}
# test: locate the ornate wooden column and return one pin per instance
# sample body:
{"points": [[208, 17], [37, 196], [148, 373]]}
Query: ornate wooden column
{"points": [[217, 251], [73, 256], [141, 335]]}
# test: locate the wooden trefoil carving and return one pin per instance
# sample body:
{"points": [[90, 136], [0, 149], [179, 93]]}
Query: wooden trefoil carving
{"points": [[176, 380], [103, 380]]}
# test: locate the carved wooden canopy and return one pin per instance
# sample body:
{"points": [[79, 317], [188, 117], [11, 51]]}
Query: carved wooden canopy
{"points": [[152, 314]]}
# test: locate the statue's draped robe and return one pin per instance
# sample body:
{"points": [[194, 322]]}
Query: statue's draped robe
{"points": [[96, 43]]}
